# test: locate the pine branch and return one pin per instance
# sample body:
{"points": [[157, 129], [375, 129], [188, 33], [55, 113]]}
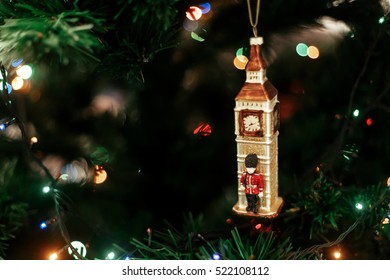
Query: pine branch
{"points": [[48, 35]]}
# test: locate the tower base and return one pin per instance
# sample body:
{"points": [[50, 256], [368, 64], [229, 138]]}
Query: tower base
{"points": [[271, 213]]}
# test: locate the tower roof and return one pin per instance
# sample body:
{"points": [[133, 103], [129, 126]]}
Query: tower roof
{"points": [[257, 91], [259, 88]]}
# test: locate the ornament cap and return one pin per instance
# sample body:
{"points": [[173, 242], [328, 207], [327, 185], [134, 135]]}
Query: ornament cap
{"points": [[256, 41]]}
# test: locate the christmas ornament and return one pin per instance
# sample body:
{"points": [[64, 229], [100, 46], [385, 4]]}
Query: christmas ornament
{"points": [[256, 116]]}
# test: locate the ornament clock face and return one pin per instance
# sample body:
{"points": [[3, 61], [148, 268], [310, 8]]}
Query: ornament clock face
{"points": [[251, 123]]}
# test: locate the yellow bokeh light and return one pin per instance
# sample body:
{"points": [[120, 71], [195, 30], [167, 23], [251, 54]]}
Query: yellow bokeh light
{"points": [[34, 140], [24, 72], [194, 13], [53, 256], [100, 175], [17, 83], [337, 255], [313, 52], [388, 182], [240, 62]]}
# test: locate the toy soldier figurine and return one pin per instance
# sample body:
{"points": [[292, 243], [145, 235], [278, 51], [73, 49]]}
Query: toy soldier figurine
{"points": [[252, 182]]}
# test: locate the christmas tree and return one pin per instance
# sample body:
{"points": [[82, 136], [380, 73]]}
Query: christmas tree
{"points": [[117, 129]]}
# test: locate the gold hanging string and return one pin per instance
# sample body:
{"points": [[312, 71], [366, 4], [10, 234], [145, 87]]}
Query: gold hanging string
{"points": [[254, 24]]}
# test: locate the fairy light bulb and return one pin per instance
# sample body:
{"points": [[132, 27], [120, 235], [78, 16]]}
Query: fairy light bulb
{"points": [[194, 13], [16, 62], [240, 62], [46, 189], [196, 37], [205, 7], [43, 225], [34, 140], [359, 206], [17, 83], [110, 256], [24, 72], [216, 256], [313, 52], [100, 175], [337, 254], [356, 113], [53, 256], [301, 49]]}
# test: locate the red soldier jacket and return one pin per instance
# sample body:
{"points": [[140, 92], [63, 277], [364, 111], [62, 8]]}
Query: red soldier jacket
{"points": [[253, 183]]}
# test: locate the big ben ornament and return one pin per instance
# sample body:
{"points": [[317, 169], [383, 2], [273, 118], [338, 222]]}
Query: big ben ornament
{"points": [[256, 116]]}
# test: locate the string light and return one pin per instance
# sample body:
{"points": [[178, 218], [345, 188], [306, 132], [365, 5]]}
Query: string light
{"points": [[17, 83], [216, 256], [16, 62], [205, 7], [359, 206], [79, 247], [34, 140], [9, 87], [194, 13], [301, 49], [53, 256], [337, 254], [45, 224], [196, 37], [240, 62], [46, 189], [3, 126], [110, 256], [24, 72], [356, 113], [381, 20], [100, 175], [369, 121], [313, 52]]}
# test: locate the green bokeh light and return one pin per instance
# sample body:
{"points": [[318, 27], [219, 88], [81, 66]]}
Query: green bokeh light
{"points": [[240, 51], [301, 49]]}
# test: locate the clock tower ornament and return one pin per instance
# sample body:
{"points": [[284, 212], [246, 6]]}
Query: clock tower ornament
{"points": [[256, 116]]}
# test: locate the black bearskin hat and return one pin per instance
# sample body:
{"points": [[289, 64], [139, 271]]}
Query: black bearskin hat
{"points": [[251, 160]]}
